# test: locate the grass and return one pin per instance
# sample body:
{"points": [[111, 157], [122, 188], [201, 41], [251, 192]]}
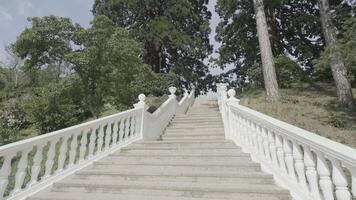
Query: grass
{"points": [[311, 107]]}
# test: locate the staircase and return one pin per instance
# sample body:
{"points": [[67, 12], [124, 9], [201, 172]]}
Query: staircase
{"points": [[191, 161]]}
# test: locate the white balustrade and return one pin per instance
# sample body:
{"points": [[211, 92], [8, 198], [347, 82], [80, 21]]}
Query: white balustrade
{"points": [[53, 156], [310, 166]]}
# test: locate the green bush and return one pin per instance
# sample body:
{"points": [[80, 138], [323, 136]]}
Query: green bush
{"points": [[288, 72], [57, 106]]}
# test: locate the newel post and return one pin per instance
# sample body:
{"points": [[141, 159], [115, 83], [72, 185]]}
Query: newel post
{"points": [[173, 90], [143, 107], [230, 118]]}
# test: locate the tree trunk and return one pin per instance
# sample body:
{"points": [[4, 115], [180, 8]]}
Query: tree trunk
{"points": [[338, 68], [269, 72], [152, 57]]}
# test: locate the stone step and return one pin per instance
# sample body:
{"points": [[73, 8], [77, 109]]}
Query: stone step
{"points": [[188, 144], [179, 146], [244, 178], [205, 126], [96, 196], [193, 136], [181, 168], [195, 152], [177, 189]]}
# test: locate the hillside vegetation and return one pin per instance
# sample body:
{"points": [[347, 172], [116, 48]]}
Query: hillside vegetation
{"points": [[311, 107]]}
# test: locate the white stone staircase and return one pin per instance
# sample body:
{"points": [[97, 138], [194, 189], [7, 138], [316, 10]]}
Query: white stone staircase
{"points": [[191, 161]]}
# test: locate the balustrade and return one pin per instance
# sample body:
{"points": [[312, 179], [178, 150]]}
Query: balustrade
{"points": [[53, 156], [310, 166]]}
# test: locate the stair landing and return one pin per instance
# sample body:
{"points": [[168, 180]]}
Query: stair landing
{"points": [[191, 161]]}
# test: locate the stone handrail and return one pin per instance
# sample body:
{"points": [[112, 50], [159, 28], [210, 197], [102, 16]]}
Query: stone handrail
{"points": [[30, 165], [310, 166]]}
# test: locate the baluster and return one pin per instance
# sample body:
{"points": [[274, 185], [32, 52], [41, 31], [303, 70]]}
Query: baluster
{"points": [[235, 126], [132, 126], [265, 144], [127, 128], [4, 173], [299, 164], [255, 137], [83, 145], [100, 137], [353, 180], [122, 131], [260, 141], [238, 129], [288, 156], [92, 139], [36, 167], [62, 153], [21, 171], [280, 154], [73, 150], [340, 181], [50, 158], [272, 148], [115, 132], [325, 182], [311, 173], [249, 133], [108, 133]]}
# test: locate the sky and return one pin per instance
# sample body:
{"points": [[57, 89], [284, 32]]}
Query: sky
{"points": [[14, 14]]}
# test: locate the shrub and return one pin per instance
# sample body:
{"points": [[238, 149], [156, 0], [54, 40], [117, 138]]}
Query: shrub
{"points": [[288, 71]]}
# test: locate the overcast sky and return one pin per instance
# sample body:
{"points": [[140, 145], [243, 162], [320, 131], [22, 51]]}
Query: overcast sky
{"points": [[14, 14]]}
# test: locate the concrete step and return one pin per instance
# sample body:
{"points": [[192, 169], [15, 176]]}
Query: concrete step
{"points": [[193, 136], [187, 189], [180, 168], [195, 152], [177, 147], [245, 178], [187, 144], [96, 196]]}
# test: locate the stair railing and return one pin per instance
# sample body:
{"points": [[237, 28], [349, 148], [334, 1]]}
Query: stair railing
{"points": [[310, 166], [31, 165]]}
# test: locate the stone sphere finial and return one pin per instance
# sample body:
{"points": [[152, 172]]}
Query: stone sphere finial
{"points": [[142, 97], [172, 90], [231, 93]]}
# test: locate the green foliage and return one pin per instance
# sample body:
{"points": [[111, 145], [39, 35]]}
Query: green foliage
{"points": [[57, 106], [288, 71], [174, 34]]}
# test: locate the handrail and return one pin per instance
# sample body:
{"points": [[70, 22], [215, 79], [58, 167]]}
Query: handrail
{"points": [[310, 166], [67, 150]]}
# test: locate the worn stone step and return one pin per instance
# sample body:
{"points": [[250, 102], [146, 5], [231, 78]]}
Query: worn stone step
{"points": [[96, 196], [245, 178], [187, 144], [197, 152], [178, 146], [169, 188], [192, 136], [182, 168]]}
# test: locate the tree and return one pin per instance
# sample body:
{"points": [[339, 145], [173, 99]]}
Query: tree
{"points": [[45, 43], [294, 30], [174, 33], [337, 65], [269, 72], [14, 64]]}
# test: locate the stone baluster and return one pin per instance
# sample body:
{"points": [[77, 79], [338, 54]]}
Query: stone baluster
{"points": [[92, 138], [73, 150], [265, 144], [4, 173], [249, 133], [132, 126], [255, 138], [36, 167], [122, 130], [108, 133], [62, 153], [272, 148], [280, 154], [325, 182], [353, 179], [115, 132], [100, 138], [50, 158], [311, 173], [288, 157], [21, 171], [127, 128], [260, 141], [340, 181], [83, 145], [299, 164]]}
